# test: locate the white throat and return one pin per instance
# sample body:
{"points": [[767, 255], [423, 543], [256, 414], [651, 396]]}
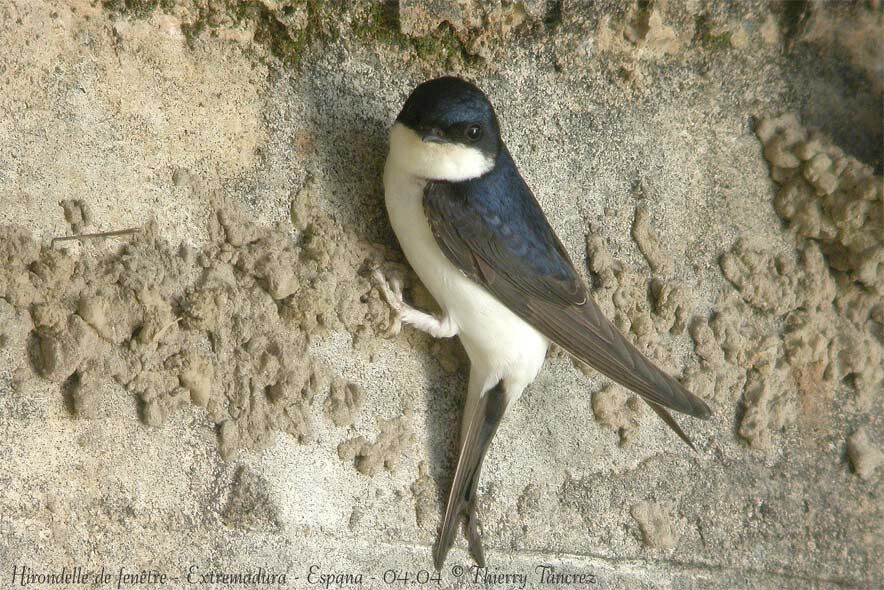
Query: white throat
{"points": [[451, 162]]}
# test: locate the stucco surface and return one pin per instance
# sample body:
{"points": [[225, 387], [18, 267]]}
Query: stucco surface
{"points": [[216, 391]]}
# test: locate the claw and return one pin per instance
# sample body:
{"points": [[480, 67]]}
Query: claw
{"points": [[391, 291], [395, 327], [396, 288]]}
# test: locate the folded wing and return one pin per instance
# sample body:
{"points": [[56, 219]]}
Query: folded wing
{"points": [[512, 251]]}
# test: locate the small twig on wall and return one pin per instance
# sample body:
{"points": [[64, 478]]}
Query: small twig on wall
{"points": [[104, 234]]}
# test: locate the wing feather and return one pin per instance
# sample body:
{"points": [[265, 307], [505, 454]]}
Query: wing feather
{"points": [[533, 276]]}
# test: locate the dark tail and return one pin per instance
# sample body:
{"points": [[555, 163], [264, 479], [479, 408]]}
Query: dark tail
{"points": [[462, 498]]}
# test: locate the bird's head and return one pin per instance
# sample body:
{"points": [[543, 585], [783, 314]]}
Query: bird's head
{"points": [[447, 130]]}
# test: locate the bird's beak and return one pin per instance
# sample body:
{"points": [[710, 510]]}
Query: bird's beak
{"points": [[434, 135]]}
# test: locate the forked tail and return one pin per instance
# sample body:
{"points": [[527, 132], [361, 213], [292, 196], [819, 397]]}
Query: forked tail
{"points": [[488, 412]]}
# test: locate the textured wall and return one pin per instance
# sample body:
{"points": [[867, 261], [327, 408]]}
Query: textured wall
{"points": [[216, 390]]}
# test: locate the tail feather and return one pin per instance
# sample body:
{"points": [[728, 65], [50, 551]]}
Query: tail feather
{"points": [[482, 427]]}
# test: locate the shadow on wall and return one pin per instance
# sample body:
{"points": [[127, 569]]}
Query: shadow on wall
{"points": [[350, 130], [837, 96], [350, 134], [840, 102]]}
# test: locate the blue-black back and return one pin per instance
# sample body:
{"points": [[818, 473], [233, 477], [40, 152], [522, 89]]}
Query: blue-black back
{"points": [[501, 230]]}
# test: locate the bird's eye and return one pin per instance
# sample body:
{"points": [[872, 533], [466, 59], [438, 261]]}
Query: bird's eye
{"points": [[474, 132]]}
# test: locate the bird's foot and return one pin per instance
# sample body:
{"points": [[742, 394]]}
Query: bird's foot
{"points": [[391, 291]]}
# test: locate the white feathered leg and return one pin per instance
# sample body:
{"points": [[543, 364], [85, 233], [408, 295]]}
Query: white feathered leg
{"points": [[391, 290]]}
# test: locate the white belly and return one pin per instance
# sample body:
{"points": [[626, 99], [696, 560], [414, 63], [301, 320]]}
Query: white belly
{"points": [[499, 343]]}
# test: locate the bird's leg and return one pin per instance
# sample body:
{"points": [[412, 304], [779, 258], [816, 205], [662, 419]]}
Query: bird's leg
{"points": [[391, 290]]}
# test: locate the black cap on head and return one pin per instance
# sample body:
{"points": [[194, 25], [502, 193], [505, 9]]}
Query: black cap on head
{"points": [[452, 110]]}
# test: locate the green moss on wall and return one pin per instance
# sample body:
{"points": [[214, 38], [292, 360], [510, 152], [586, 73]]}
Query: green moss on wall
{"points": [[704, 35], [137, 8], [381, 23], [370, 23]]}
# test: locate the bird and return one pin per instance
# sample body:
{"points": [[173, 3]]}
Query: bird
{"points": [[475, 235]]}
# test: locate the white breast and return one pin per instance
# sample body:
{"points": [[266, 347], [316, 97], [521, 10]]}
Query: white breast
{"points": [[499, 343]]}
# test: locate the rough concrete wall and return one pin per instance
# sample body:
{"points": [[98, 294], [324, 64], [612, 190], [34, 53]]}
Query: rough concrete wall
{"points": [[216, 389]]}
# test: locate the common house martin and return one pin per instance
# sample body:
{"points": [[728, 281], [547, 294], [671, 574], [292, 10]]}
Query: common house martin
{"points": [[475, 235]]}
